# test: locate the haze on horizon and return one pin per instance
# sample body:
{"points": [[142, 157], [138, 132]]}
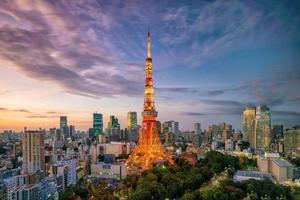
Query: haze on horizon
{"points": [[210, 60]]}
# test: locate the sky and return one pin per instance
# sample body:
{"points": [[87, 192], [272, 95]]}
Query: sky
{"points": [[210, 60]]}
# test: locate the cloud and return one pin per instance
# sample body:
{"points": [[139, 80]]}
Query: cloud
{"points": [[47, 43], [286, 113], [3, 93], [54, 112], [39, 116], [15, 110], [194, 113]]}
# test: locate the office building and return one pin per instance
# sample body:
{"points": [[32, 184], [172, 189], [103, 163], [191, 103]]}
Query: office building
{"points": [[282, 170], [225, 131], [97, 124], [72, 131], [171, 126], [292, 142], [169, 138], [241, 175], [197, 128], [33, 148], [114, 147], [132, 126], [72, 164], [3, 190], [190, 137], [131, 120], [64, 126], [114, 170], [249, 114], [277, 131], [229, 145], [113, 128], [262, 128]]}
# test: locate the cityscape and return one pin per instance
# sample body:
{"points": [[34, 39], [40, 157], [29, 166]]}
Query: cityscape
{"points": [[143, 100]]}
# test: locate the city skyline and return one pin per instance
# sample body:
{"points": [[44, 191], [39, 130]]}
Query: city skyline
{"points": [[86, 60]]}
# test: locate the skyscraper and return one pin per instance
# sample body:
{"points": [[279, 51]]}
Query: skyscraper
{"points": [[262, 128], [97, 124], [33, 148], [277, 131], [113, 128], [64, 125], [171, 126], [149, 148], [72, 131], [292, 142], [197, 128], [132, 126], [249, 114], [131, 120]]}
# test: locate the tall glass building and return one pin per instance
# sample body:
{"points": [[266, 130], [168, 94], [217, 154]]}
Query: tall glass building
{"points": [[97, 124], [263, 128], [249, 114], [131, 120], [64, 125]]}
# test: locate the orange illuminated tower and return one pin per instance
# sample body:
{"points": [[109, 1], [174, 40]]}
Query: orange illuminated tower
{"points": [[149, 148]]}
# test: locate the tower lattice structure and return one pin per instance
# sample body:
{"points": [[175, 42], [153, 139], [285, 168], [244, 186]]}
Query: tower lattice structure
{"points": [[149, 148]]}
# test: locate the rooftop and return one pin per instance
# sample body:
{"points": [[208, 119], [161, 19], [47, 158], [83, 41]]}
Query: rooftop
{"points": [[282, 163], [254, 174]]}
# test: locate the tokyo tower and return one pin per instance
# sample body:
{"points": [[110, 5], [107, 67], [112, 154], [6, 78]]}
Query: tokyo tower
{"points": [[149, 148]]}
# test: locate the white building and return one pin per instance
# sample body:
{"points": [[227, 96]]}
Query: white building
{"points": [[71, 163], [116, 170], [116, 148], [229, 145]]}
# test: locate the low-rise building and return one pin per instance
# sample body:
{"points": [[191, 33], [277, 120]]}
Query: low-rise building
{"points": [[282, 170], [115, 170], [246, 175]]}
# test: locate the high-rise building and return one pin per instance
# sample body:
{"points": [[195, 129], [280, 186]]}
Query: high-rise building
{"points": [[64, 126], [132, 126], [33, 148], [197, 128], [249, 114], [262, 128], [277, 131], [171, 126], [97, 124], [225, 131], [149, 149], [292, 142], [72, 130], [113, 128], [3, 190], [131, 120]]}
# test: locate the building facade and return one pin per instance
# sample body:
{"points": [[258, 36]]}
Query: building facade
{"points": [[64, 126], [292, 142], [262, 128], [97, 124], [249, 114], [33, 148]]}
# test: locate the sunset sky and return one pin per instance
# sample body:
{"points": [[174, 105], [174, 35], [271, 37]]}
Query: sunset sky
{"points": [[210, 59]]}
